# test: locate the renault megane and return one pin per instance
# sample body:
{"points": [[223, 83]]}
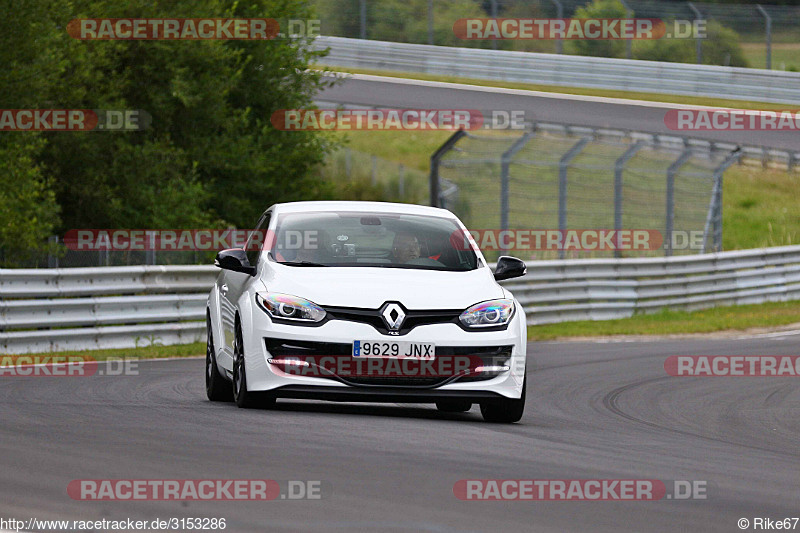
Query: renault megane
{"points": [[366, 301]]}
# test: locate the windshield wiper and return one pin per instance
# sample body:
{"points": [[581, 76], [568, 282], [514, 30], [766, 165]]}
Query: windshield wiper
{"points": [[303, 263]]}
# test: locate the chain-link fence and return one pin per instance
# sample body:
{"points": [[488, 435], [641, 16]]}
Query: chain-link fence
{"points": [[431, 22], [557, 179]]}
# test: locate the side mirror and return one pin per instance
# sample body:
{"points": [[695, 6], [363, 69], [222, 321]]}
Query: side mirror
{"points": [[234, 259], [509, 267]]}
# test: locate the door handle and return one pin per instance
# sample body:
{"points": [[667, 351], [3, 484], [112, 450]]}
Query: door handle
{"points": [[224, 289]]}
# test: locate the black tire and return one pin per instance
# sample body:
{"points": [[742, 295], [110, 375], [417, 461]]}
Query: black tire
{"points": [[241, 395], [505, 411], [454, 406], [217, 388]]}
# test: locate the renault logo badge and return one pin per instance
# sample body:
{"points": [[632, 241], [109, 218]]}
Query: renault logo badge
{"points": [[393, 315]]}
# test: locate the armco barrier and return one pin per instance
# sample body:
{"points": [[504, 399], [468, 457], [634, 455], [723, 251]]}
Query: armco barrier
{"points": [[120, 307], [565, 70], [109, 307], [603, 289]]}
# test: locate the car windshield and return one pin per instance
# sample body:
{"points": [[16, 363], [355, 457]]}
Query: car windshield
{"points": [[371, 240]]}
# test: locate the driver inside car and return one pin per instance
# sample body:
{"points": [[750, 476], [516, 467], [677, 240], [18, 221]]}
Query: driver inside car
{"points": [[405, 247]]}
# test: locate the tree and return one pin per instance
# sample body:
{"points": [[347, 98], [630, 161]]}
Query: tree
{"points": [[210, 156], [30, 56]]}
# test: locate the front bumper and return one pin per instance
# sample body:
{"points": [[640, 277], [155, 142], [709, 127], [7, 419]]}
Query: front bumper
{"points": [[388, 394], [339, 336]]}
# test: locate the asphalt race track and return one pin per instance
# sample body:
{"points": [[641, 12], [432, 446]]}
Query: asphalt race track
{"points": [[376, 91], [594, 411]]}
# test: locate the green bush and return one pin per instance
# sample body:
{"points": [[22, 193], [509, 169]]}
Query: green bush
{"points": [[598, 9], [720, 47]]}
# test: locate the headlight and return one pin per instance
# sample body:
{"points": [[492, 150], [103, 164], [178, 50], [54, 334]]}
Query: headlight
{"points": [[488, 314], [288, 307]]}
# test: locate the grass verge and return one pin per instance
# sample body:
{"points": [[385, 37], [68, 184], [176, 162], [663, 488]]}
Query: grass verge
{"points": [[784, 55], [631, 95], [667, 322], [145, 352]]}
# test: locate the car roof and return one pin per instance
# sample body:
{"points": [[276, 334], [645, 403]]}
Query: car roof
{"points": [[378, 207]]}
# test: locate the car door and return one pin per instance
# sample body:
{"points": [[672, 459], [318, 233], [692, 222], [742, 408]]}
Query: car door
{"points": [[234, 284]]}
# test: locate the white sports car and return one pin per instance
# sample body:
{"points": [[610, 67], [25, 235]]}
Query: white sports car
{"points": [[365, 301]]}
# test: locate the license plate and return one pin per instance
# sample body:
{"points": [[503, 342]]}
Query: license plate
{"points": [[417, 350]]}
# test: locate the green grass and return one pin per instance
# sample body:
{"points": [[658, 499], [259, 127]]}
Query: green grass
{"points": [[350, 172], [787, 54], [667, 322], [649, 97], [146, 352], [760, 208], [411, 148]]}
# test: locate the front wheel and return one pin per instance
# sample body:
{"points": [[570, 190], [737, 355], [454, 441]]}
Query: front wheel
{"points": [[505, 411], [242, 396], [217, 389]]}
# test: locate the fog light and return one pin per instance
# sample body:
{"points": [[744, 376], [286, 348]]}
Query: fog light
{"points": [[291, 362]]}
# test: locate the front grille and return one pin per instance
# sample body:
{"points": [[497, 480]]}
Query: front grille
{"points": [[374, 319], [313, 350]]}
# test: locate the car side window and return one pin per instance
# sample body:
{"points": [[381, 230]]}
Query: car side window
{"points": [[255, 243]]}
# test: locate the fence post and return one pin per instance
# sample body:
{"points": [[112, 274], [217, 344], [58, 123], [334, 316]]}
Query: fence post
{"points": [[363, 18], [52, 259], [714, 216], [628, 42], [768, 23], [505, 164], [401, 185], [435, 159], [670, 207], [563, 164], [619, 166], [150, 255], [430, 22], [494, 16], [698, 42], [559, 14]]}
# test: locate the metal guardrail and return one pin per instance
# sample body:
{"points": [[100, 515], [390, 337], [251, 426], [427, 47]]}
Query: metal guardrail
{"points": [[73, 309], [565, 70], [44, 310], [604, 289]]}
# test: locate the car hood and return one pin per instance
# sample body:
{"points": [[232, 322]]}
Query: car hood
{"points": [[369, 287]]}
